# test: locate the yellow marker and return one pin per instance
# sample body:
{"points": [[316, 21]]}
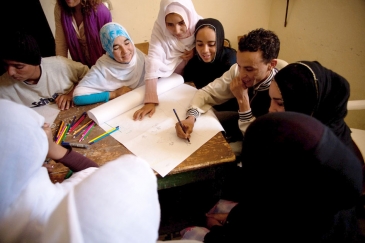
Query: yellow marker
{"points": [[82, 127], [61, 136], [60, 128], [105, 133]]}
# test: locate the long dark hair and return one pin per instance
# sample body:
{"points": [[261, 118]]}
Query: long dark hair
{"points": [[87, 6]]}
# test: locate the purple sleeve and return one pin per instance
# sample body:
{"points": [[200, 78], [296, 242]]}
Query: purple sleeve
{"points": [[104, 15], [76, 162]]}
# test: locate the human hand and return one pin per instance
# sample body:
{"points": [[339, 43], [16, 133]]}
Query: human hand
{"points": [[187, 55], [48, 167], [55, 151], [240, 91], [64, 101], [216, 219], [188, 125], [238, 88], [47, 129], [118, 92], [148, 109]]}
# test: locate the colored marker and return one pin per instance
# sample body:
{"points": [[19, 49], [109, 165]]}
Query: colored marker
{"points": [[61, 135], [76, 145], [78, 131], [98, 138], [82, 117], [66, 132], [86, 131], [69, 174], [73, 121], [87, 134], [59, 131]]}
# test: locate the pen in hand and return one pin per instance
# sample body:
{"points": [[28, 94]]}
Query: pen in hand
{"points": [[181, 125]]}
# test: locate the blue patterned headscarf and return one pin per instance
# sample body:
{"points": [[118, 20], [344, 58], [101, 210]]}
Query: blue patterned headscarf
{"points": [[108, 33]]}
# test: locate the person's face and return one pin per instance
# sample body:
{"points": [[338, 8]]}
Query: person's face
{"points": [[277, 103], [123, 49], [175, 24], [252, 68], [73, 3], [21, 71], [205, 44]]}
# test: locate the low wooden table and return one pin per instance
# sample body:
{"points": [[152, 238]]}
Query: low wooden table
{"points": [[202, 164]]}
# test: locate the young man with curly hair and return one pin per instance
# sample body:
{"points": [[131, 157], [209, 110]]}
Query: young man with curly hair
{"points": [[248, 81]]}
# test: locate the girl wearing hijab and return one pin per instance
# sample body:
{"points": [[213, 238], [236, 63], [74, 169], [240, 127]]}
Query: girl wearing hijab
{"points": [[309, 88], [122, 192], [170, 47], [303, 188], [77, 27], [212, 58], [115, 73]]}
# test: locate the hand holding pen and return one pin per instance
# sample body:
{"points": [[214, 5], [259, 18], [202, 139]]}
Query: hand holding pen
{"points": [[185, 127]]}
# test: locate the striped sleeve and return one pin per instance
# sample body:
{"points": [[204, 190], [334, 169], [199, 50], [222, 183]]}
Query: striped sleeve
{"points": [[245, 116], [193, 112]]}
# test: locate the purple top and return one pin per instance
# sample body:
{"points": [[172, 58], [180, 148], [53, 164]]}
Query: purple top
{"points": [[92, 24]]}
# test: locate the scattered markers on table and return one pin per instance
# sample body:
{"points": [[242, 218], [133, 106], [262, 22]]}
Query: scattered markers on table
{"points": [[81, 129], [86, 130], [81, 118], [104, 135]]}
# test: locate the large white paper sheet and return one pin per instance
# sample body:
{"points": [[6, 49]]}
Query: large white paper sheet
{"points": [[130, 100], [49, 112], [154, 139]]}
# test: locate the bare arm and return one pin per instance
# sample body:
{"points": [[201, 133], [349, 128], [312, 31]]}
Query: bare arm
{"points": [[121, 91]]}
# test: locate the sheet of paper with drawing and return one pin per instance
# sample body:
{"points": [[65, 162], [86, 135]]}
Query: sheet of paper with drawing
{"points": [[154, 139]]}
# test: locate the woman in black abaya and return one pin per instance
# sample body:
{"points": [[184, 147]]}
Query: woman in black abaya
{"points": [[300, 183], [309, 88]]}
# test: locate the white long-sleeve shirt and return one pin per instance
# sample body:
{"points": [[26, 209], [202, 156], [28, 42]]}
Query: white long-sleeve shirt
{"points": [[218, 92]]}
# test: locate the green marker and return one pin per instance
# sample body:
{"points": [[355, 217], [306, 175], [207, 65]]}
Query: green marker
{"points": [[69, 174]]}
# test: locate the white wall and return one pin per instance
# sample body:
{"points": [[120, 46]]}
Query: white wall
{"points": [[138, 16], [48, 6], [237, 16], [330, 31]]}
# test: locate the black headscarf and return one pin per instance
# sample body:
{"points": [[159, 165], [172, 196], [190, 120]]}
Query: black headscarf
{"points": [[300, 183], [219, 33], [309, 88], [202, 73]]}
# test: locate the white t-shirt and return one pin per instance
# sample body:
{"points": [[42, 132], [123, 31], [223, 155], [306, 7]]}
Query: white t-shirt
{"points": [[58, 76]]}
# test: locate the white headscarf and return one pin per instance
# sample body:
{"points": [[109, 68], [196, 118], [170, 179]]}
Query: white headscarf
{"points": [[27, 194], [164, 49], [23, 147], [117, 202], [108, 74]]}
